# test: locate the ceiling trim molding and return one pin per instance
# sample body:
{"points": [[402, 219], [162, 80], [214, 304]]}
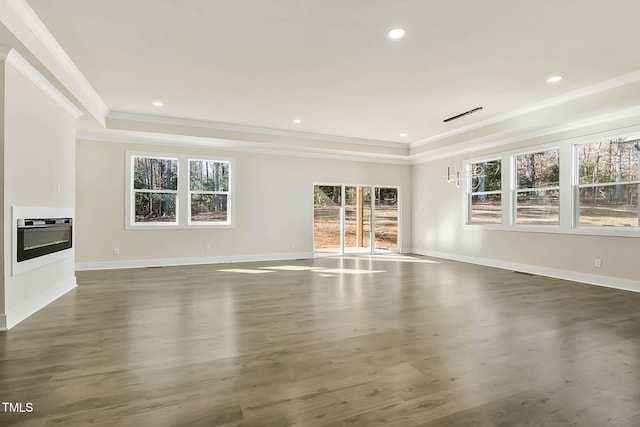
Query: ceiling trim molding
{"points": [[605, 85], [4, 52], [465, 147], [25, 28], [132, 137], [480, 144], [175, 121], [16, 60]]}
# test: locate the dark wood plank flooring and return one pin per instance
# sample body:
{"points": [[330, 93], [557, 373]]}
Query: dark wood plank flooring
{"points": [[421, 342]]}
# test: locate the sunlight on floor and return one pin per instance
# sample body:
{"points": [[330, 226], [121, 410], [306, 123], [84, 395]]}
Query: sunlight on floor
{"points": [[291, 268], [329, 272], [392, 258], [348, 271], [245, 270]]}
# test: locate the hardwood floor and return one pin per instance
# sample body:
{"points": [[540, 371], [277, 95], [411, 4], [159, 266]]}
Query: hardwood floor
{"points": [[418, 341]]}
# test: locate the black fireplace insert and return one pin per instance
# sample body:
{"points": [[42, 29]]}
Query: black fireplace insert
{"points": [[42, 236]]}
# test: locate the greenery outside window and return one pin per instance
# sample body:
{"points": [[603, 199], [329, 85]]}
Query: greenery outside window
{"points": [[208, 191], [485, 192], [608, 183], [537, 195], [175, 191], [155, 189]]}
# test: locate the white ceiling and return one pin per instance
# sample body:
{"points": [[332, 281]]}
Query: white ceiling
{"points": [[329, 62]]}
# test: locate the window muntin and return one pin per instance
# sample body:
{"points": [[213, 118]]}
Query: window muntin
{"points": [[209, 184], [485, 192], [537, 195], [608, 183], [175, 191], [155, 189]]}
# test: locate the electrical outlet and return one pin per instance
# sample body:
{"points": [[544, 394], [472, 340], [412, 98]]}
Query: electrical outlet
{"points": [[481, 249], [207, 248], [293, 245], [116, 251], [597, 263]]}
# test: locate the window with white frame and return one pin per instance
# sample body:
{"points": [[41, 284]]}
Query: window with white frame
{"points": [[608, 178], [175, 191], [155, 189], [537, 194], [209, 191], [485, 192]]}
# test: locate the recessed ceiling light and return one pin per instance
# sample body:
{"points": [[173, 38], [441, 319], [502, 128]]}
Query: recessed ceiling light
{"points": [[554, 79], [396, 33], [157, 104], [297, 121], [403, 134]]}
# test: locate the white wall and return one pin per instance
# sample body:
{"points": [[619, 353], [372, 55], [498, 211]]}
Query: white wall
{"points": [[438, 229], [39, 171], [274, 207]]}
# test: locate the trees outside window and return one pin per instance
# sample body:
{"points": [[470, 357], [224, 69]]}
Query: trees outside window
{"points": [[537, 195], [485, 192], [608, 183], [155, 188], [173, 191], [208, 191]]}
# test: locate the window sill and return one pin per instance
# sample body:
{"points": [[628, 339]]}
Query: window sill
{"points": [[209, 226], [554, 229]]}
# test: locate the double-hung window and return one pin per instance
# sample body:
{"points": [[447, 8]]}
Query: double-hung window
{"points": [[208, 191], [485, 192], [537, 194], [176, 191], [608, 175], [155, 189]]}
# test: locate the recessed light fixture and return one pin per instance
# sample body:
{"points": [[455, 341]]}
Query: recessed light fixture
{"points": [[297, 121], [554, 79], [396, 33], [403, 134], [157, 104]]}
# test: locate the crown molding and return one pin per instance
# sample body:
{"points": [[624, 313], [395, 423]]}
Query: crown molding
{"points": [[605, 85], [206, 124], [27, 27], [4, 52], [493, 141], [13, 58], [133, 137], [461, 148]]}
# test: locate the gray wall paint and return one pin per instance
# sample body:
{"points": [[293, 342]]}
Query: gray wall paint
{"points": [[39, 156], [274, 205], [438, 223]]}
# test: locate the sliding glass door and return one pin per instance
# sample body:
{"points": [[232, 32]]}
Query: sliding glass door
{"points": [[354, 219], [386, 219], [357, 219], [327, 219]]}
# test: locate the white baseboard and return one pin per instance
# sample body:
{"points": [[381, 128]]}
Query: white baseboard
{"points": [[591, 279], [27, 308], [140, 263]]}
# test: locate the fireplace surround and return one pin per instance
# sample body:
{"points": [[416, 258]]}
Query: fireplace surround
{"points": [[41, 236], [38, 237]]}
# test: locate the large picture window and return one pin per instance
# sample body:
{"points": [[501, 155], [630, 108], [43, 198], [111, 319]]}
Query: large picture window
{"points": [[608, 183], [485, 192], [537, 195], [174, 191]]}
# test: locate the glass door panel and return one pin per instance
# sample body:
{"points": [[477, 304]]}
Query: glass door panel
{"points": [[386, 219], [357, 219], [327, 219]]}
